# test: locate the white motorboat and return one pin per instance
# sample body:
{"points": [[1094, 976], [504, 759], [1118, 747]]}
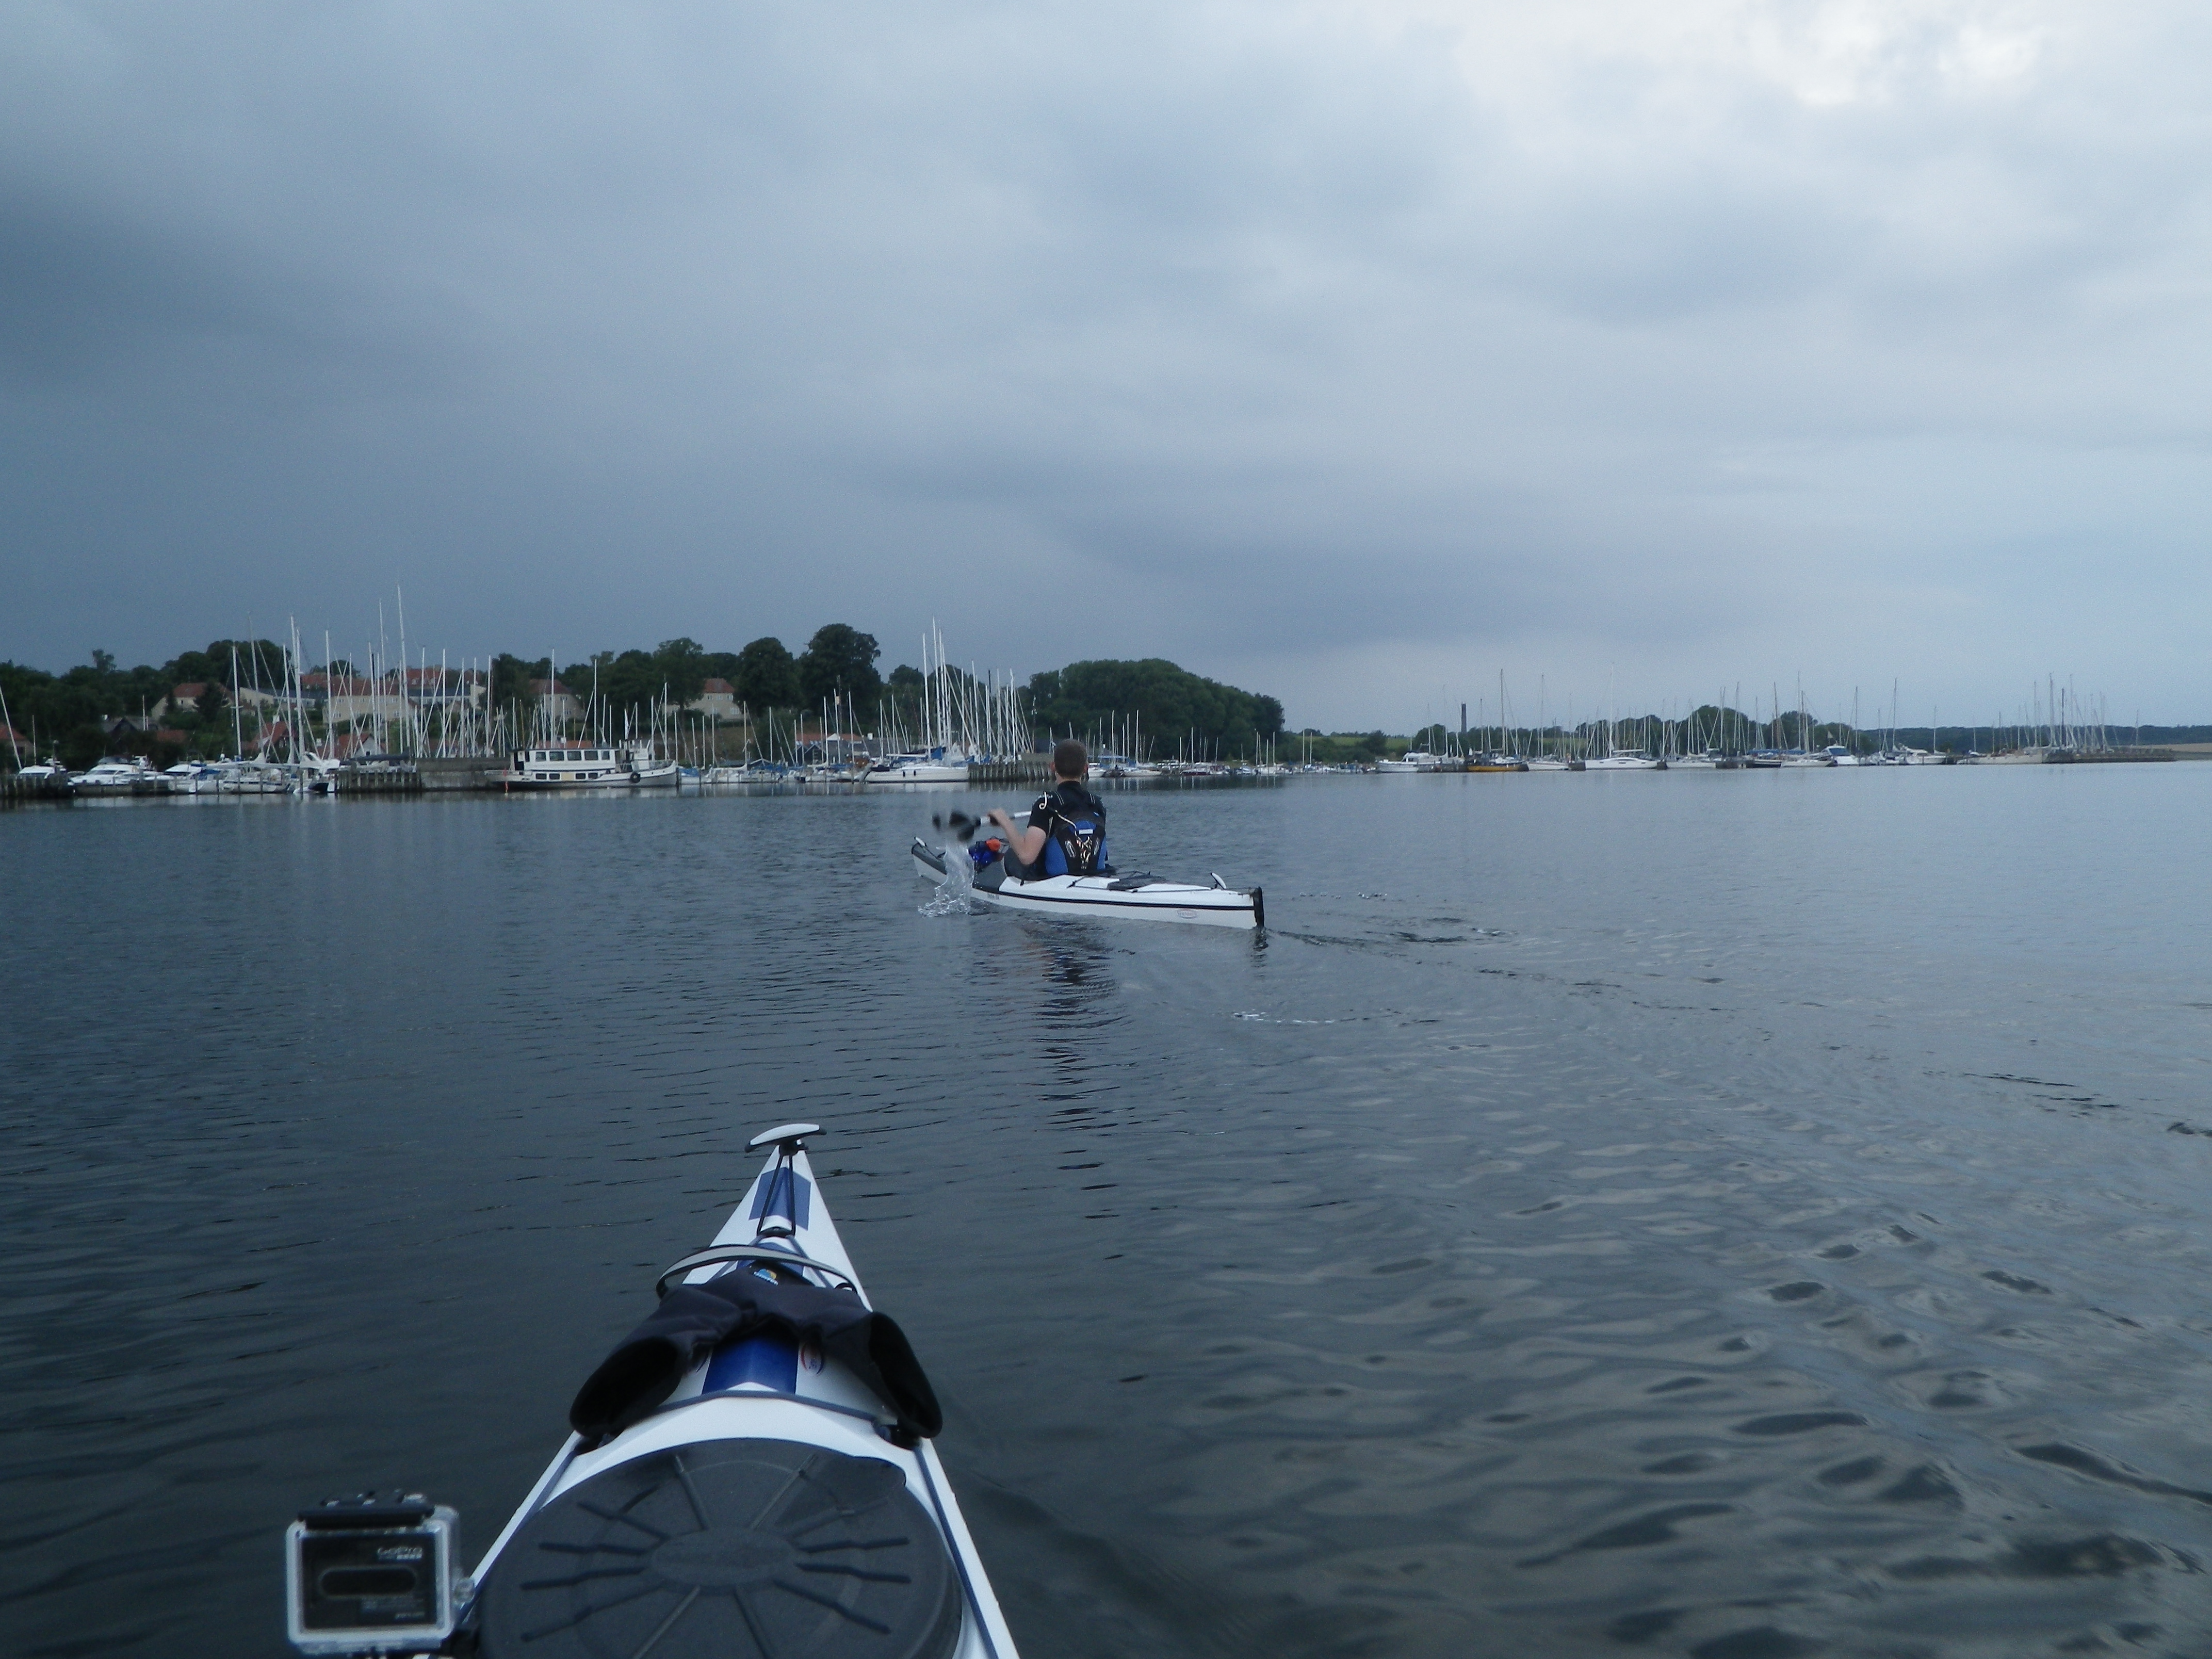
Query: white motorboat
{"points": [[1624, 763], [252, 777], [589, 766], [927, 766], [755, 771], [1120, 768], [749, 1475], [1129, 898], [319, 775], [123, 774], [48, 775], [1413, 760]]}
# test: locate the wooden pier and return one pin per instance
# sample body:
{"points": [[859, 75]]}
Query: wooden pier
{"points": [[2102, 756], [462, 771], [377, 781], [1029, 769], [16, 789]]}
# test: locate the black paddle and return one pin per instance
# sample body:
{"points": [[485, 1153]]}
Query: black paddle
{"points": [[958, 824]]}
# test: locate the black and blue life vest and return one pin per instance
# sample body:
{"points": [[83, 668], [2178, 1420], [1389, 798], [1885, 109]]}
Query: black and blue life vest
{"points": [[1075, 832]]}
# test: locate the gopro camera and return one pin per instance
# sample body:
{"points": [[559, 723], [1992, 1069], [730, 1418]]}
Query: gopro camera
{"points": [[373, 1573]]}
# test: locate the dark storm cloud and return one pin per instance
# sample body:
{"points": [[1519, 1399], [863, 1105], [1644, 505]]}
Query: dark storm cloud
{"points": [[1353, 350]]}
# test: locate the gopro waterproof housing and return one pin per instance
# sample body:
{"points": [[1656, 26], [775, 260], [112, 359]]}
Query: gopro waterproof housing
{"points": [[370, 1574]]}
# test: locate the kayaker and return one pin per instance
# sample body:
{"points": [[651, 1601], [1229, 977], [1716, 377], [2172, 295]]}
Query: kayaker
{"points": [[1067, 832]]}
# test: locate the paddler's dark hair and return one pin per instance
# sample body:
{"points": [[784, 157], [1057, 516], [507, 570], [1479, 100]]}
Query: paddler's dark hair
{"points": [[1070, 759]]}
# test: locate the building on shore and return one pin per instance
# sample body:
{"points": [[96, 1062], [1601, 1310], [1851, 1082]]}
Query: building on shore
{"points": [[555, 702], [717, 701]]}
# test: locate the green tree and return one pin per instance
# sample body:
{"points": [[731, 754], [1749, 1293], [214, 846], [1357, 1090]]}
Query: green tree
{"points": [[1171, 702], [624, 680], [683, 666], [766, 676], [211, 702], [511, 676], [840, 659]]}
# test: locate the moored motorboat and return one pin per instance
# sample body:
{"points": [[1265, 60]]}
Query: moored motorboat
{"points": [[123, 774], [250, 777], [589, 766], [750, 1473], [936, 766], [1133, 897], [1415, 760]]}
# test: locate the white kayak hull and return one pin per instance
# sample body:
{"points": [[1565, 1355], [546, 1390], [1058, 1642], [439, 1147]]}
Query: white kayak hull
{"points": [[1136, 898], [537, 1583]]}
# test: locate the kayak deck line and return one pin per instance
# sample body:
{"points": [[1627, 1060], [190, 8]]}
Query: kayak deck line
{"points": [[719, 1512], [715, 1254]]}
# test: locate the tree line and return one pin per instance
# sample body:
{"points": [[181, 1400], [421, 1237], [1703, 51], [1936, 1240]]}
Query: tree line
{"points": [[67, 713], [1172, 703], [70, 714], [839, 661]]}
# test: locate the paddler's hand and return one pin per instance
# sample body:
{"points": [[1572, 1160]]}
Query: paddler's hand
{"points": [[998, 814]]}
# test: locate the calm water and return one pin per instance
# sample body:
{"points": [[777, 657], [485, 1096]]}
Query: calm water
{"points": [[1738, 1215]]}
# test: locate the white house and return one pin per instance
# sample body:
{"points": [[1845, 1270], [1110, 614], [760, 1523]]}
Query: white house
{"points": [[716, 701], [556, 699]]}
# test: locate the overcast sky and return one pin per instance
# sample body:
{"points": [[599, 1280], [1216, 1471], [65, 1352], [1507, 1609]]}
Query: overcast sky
{"points": [[1355, 352]]}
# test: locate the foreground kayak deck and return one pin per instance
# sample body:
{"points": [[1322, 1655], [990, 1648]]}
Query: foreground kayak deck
{"points": [[1141, 898], [769, 1505]]}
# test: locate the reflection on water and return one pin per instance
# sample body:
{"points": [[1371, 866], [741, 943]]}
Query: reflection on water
{"points": [[1731, 1215]]}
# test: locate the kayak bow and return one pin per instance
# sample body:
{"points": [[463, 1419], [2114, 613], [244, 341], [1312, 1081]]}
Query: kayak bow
{"points": [[752, 1475]]}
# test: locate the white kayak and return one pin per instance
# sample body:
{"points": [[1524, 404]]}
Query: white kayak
{"points": [[781, 1498], [1136, 897]]}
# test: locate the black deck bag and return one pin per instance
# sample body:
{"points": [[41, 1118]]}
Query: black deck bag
{"points": [[693, 1320]]}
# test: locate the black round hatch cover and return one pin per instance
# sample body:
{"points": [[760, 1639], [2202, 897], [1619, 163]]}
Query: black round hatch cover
{"points": [[727, 1549]]}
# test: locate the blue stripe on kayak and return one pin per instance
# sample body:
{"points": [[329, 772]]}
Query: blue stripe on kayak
{"points": [[784, 1193], [771, 1361]]}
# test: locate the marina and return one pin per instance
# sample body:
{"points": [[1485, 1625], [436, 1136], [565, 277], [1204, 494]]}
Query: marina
{"points": [[393, 729]]}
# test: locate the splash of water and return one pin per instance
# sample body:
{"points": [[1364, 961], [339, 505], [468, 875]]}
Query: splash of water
{"points": [[955, 895]]}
